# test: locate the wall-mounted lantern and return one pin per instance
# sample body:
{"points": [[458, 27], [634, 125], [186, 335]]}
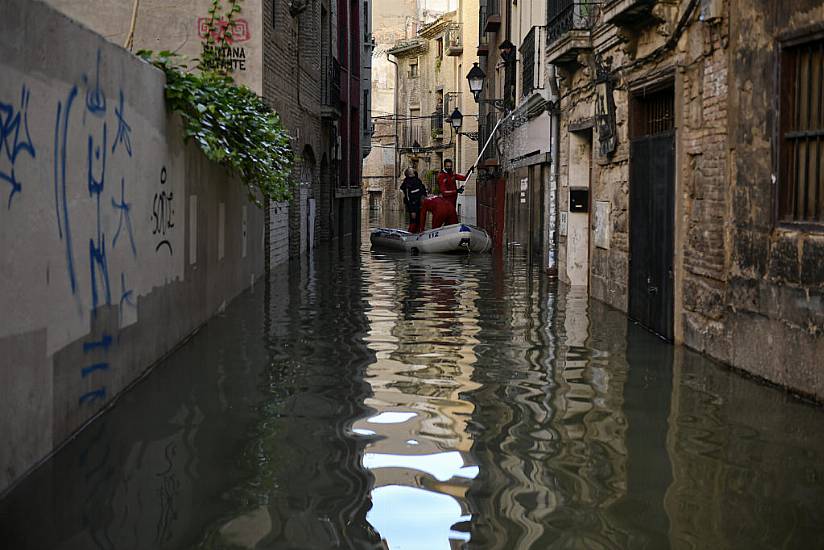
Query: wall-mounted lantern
{"points": [[605, 109]]}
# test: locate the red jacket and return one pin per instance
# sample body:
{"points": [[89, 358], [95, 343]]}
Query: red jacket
{"points": [[448, 186], [443, 212]]}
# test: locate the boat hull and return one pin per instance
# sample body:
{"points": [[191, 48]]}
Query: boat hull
{"points": [[458, 238]]}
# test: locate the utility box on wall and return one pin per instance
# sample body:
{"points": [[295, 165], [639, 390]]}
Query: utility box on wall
{"points": [[579, 199]]}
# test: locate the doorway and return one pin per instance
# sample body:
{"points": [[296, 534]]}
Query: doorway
{"points": [[652, 211]]}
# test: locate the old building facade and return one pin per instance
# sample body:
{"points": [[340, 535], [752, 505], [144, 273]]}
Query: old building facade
{"points": [[395, 21], [689, 173], [431, 87], [517, 191], [418, 83]]}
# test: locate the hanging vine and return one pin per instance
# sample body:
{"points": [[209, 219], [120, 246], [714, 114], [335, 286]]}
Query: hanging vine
{"points": [[232, 125]]}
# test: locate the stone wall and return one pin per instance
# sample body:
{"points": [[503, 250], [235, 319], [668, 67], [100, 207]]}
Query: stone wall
{"points": [[118, 241], [773, 303], [749, 291]]}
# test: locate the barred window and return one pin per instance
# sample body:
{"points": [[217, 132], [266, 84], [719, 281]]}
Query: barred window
{"points": [[801, 148]]}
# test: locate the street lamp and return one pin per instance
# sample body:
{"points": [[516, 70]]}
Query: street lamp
{"points": [[456, 120], [476, 77]]}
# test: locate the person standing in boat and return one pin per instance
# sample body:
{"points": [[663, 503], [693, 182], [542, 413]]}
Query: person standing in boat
{"points": [[443, 212], [414, 192], [447, 182]]}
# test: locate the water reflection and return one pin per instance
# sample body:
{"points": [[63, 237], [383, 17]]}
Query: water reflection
{"points": [[423, 324], [367, 400]]}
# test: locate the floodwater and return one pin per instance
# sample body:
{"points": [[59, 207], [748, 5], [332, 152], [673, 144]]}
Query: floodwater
{"points": [[371, 400]]}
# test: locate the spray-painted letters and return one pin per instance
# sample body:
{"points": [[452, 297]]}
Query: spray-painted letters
{"points": [[14, 139]]}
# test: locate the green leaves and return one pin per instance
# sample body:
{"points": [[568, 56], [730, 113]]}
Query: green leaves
{"points": [[232, 126]]}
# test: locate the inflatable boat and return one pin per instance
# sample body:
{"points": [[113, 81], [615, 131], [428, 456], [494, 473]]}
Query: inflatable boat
{"points": [[460, 237]]}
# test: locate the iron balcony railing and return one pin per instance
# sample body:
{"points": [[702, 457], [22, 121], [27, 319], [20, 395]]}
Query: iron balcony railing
{"points": [[330, 84], [411, 135], [528, 62], [485, 128], [454, 39], [437, 123], [570, 15], [483, 39]]}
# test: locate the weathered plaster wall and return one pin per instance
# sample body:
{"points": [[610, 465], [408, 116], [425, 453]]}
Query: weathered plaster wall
{"points": [[117, 240], [176, 26]]}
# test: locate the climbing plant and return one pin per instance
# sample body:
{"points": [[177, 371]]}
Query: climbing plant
{"points": [[231, 124]]}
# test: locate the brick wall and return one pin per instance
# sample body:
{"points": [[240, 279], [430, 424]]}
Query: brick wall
{"points": [[292, 85]]}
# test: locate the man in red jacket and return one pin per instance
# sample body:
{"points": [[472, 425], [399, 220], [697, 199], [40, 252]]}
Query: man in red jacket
{"points": [[447, 182], [443, 212]]}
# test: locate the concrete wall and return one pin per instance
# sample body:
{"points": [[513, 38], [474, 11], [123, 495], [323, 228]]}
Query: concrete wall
{"points": [[117, 240]]}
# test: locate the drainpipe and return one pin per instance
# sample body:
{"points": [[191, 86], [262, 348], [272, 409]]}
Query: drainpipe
{"points": [[551, 194], [395, 109]]}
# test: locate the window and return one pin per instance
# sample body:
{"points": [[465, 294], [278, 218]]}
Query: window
{"points": [[801, 143], [413, 69], [440, 48]]}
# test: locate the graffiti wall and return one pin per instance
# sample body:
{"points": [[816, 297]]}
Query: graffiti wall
{"points": [[116, 240]]}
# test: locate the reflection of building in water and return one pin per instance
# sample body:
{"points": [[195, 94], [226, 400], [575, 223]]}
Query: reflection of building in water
{"points": [[423, 327], [747, 462], [549, 443]]}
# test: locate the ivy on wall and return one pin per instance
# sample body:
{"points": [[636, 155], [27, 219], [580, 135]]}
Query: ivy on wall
{"points": [[231, 124]]}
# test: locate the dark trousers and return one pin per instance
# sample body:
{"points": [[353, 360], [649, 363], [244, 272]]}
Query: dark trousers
{"points": [[414, 220]]}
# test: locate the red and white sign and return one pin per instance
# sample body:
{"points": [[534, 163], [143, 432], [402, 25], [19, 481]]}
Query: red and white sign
{"points": [[239, 33]]}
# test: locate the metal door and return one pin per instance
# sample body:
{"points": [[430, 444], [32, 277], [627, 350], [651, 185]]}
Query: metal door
{"points": [[652, 218]]}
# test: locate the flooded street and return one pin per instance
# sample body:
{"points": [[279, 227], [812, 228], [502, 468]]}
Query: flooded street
{"points": [[372, 400]]}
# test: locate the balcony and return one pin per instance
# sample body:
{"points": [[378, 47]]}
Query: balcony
{"points": [[483, 40], [485, 129], [437, 125], [493, 16], [411, 136], [630, 13], [532, 56], [330, 88], [453, 39], [568, 32]]}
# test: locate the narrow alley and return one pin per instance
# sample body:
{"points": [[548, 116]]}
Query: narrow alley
{"points": [[411, 275]]}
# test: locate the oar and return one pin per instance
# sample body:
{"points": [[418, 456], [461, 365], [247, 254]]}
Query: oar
{"points": [[488, 141]]}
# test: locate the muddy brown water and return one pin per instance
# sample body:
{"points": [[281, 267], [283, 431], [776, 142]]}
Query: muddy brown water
{"points": [[373, 400]]}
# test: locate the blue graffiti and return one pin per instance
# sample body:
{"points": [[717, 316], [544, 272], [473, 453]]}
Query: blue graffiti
{"points": [[99, 154], [95, 98], [61, 135], [124, 208], [86, 371], [104, 343], [126, 296], [98, 264], [124, 131], [11, 142], [94, 395]]}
